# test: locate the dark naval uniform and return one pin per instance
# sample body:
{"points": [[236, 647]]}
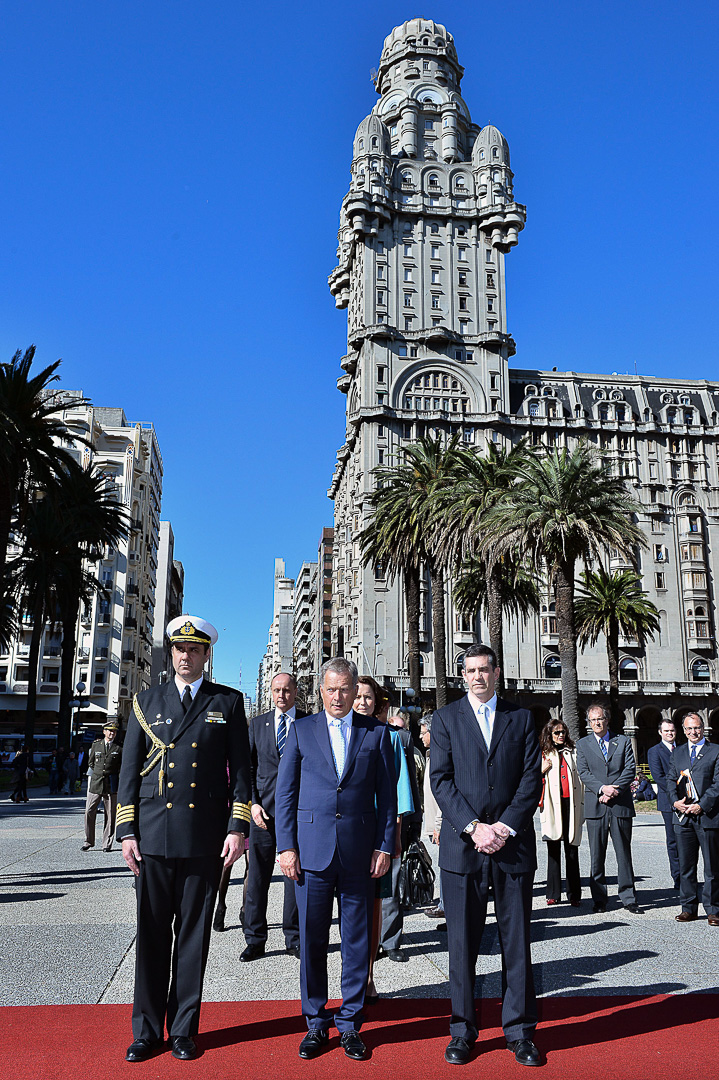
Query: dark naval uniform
{"points": [[178, 812]]}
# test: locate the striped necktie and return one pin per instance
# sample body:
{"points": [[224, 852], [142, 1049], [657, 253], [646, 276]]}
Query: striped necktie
{"points": [[281, 733], [483, 717], [603, 744]]}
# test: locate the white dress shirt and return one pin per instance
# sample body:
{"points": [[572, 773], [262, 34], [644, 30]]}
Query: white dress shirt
{"points": [[194, 686], [289, 717]]}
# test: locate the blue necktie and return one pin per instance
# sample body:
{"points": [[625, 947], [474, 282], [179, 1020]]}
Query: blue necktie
{"points": [[693, 754], [281, 733], [339, 750], [603, 745]]}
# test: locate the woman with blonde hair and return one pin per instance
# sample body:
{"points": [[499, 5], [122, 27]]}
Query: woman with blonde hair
{"points": [[561, 810]]}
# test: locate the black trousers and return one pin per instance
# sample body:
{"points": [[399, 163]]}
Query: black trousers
{"points": [[262, 853], [554, 863], [175, 904], [465, 906], [691, 838], [668, 816]]}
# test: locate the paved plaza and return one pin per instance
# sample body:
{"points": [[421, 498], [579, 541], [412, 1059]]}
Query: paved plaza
{"points": [[68, 920]]}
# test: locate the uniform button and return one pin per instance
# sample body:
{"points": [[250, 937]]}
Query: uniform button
{"points": [[170, 784], [491, 787], [339, 789], [338, 815], [194, 746], [169, 806], [172, 746], [193, 785], [172, 764], [192, 806], [194, 764]]}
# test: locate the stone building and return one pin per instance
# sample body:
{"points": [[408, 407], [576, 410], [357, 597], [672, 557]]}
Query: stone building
{"points": [[170, 595], [114, 632], [425, 228]]}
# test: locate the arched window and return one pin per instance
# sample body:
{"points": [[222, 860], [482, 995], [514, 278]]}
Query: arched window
{"points": [[701, 671], [459, 664], [552, 668], [495, 152], [406, 178], [361, 144], [374, 142], [448, 394], [628, 669], [433, 180], [460, 182], [534, 408]]}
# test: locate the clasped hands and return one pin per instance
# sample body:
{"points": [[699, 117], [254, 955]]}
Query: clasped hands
{"points": [[489, 838], [684, 807], [607, 793]]}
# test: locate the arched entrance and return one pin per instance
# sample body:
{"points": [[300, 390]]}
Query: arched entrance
{"points": [[647, 721]]}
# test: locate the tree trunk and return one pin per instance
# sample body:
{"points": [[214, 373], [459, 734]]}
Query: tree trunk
{"points": [[412, 603], [439, 635], [68, 617], [6, 507], [613, 660], [494, 619], [566, 631], [33, 664]]}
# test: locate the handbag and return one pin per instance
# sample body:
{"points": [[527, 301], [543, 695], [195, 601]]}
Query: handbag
{"points": [[416, 876]]}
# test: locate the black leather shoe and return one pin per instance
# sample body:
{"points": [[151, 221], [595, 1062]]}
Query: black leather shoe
{"points": [[397, 955], [525, 1052], [458, 1051], [353, 1045], [183, 1047], [252, 952], [218, 923], [86, 846], [599, 909], [293, 950], [141, 1050], [633, 908], [314, 1042]]}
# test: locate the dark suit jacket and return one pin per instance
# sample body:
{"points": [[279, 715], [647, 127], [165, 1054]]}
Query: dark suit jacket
{"points": [[265, 759], [185, 813], [705, 774], [658, 758], [619, 770], [315, 813], [500, 784]]}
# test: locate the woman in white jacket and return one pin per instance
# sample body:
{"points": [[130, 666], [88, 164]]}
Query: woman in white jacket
{"points": [[561, 811]]}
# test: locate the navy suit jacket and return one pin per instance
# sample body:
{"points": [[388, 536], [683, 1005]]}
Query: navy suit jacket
{"points": [[618, 770], [317, 814], [265, 759], [658, 758], [469, 781], [705, 774]]}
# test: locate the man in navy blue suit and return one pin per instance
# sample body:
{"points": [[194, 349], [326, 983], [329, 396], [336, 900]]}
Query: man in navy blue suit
{"points": [[485, 773], [659, 758], [335, 815]]}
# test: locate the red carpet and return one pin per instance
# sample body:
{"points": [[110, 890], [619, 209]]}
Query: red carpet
{"points": [[584, 1038]]}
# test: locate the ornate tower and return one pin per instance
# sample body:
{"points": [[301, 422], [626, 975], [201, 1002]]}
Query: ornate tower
{"points": [[424, 230]]}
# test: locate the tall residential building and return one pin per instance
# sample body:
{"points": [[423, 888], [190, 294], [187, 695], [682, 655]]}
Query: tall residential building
{"points": [[170, 594], [114, 631], [424, 231], [304, 632], [279, 653]]}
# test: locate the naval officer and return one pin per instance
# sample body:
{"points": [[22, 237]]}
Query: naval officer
{"points": [[185, 768]]}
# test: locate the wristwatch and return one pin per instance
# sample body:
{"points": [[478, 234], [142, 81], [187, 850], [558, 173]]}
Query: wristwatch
{"points": [[472, 826]]}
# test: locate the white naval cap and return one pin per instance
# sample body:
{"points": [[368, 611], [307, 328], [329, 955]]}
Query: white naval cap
{"points": [[191, 628]]}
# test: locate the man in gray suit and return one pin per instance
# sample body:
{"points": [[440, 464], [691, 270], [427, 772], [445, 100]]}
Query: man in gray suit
{"points": [[605, 763]]}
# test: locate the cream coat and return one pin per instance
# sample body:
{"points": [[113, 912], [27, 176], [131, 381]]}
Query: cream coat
{"points": [[551, 813]]}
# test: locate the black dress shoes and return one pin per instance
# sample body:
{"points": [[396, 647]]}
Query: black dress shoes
{"points": [[141, 1050], [634, 908], [397, 955], [458, 1051], [293, 950], [218, 923], [252, 952], [525, 1052], [183, 1047], [599, 909], [353, 1045], [314, 1042]]}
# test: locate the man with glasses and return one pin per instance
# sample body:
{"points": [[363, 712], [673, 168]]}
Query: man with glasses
{"points": [[693, 780]]}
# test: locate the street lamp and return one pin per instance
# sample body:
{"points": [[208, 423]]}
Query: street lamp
{"points": [[77, 703]]}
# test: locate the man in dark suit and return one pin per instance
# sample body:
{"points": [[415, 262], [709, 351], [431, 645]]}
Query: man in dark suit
{"points": [[693, 779], [485, 773], [268, 735], [605, 763], [183, 740], [335, 819], [659, 757]]}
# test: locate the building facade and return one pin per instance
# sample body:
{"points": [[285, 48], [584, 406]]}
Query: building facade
{"points": [[425, 228], [170, 596], [114, 631], [279, 655]]}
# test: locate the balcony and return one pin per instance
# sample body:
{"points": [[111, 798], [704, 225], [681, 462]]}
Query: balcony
{"points": [[20, 688], [131, 621], [52, 650], [83, 654], [133, 589], [101, 653], [49, 688], [128, 656]]}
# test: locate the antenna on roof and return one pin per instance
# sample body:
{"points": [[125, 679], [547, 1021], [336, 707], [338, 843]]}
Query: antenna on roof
{"points": [[373, 74]]}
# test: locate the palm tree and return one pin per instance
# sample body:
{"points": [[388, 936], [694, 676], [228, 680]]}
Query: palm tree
{"points": [[30, 429], [458, 517], [607, 604], [514, 592], [96, 520], [405, 494], [564, 507]]}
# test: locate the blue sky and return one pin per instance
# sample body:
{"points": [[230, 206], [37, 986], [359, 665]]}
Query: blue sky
{"points": [[169, 203]]}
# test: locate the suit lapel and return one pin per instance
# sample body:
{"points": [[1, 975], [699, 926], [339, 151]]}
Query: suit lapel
{"points": [[359, 730], [323, 738], [200, 701], [613, 743], [468, 718], [501, 723]]}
